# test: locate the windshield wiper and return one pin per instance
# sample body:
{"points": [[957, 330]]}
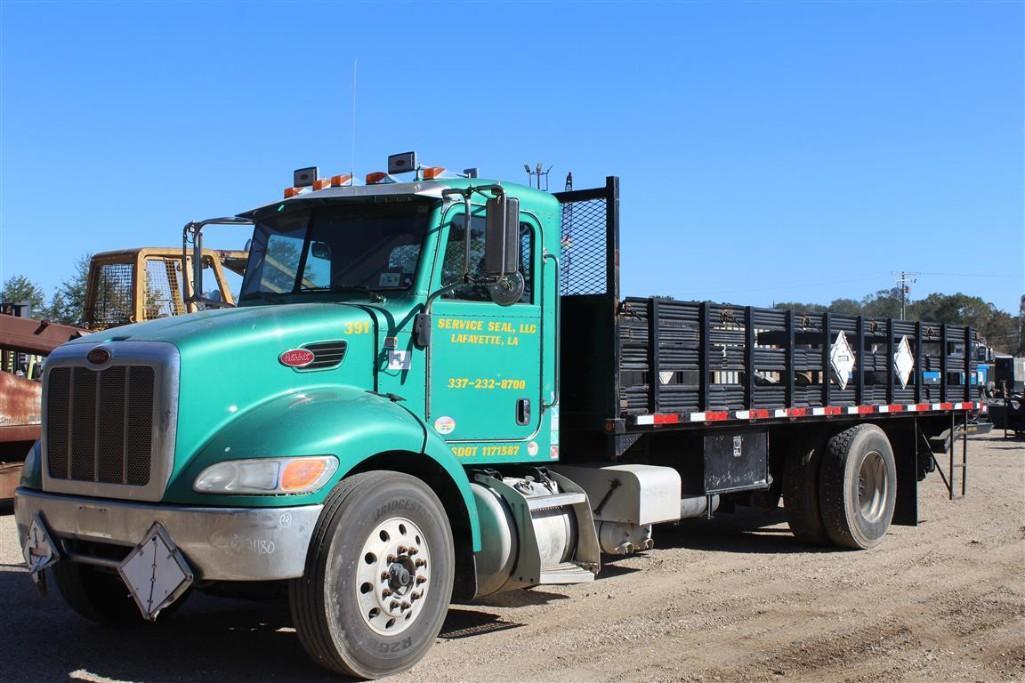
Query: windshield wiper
{"points": [[374, 295]]}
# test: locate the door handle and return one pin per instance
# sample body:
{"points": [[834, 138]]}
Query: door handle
{"points": [[523, 411]]}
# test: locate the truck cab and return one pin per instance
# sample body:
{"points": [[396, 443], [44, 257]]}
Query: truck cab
{"points": [[394, 334]]}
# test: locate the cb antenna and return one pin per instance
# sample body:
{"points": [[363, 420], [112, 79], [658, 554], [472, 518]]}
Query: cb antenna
{"points": [[352, 168]]}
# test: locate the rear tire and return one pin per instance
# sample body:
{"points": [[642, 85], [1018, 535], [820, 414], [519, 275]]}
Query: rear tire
{"points": [[354, 608], [801, 492], [858, 487]]}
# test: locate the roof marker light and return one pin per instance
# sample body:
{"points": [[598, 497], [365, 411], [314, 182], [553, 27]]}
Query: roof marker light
{"points": [[379, 178], [343, 179], [433, 172], [292, 192], [321, 184]]}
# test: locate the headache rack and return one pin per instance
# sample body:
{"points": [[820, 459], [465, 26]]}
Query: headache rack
{"points": [[649, 363]]}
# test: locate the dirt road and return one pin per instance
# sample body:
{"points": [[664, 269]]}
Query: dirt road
{"points": [[729, 600]]}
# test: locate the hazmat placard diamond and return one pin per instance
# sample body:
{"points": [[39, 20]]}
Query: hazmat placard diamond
{"points": [[841, 357], [903, 362]]}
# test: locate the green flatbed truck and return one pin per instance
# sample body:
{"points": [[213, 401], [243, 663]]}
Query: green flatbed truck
{"points": [[432, 390]]}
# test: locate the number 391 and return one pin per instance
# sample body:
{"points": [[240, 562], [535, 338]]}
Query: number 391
{"points": [[357, 328]]}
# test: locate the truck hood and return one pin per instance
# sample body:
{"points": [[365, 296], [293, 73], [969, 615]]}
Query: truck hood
{"points": [[229, 359]]}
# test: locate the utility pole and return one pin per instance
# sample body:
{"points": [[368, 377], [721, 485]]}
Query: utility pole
{"points": [[904, 281]]}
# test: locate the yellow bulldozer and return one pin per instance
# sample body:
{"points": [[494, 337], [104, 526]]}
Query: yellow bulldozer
{"points": [[133, 285]]}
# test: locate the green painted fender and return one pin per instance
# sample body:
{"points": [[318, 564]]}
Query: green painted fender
{"points": [[348, 422]]}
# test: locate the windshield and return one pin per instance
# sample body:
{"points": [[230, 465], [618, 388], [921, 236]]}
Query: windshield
{"points": [[352, 246]]}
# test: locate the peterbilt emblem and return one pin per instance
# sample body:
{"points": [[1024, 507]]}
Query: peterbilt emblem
{"points": [[296, 358], [98, 356]]}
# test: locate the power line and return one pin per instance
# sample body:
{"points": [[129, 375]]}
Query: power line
{"points": [[1020, 275]]}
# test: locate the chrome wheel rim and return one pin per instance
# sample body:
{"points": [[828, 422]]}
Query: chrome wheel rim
{"points": [[393, 576], [872, 487]]}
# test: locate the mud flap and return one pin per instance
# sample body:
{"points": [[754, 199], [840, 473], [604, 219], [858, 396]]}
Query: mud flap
{"points": [[905, 510]]}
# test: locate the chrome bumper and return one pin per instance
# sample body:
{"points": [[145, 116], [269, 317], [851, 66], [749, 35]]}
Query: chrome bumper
{"points": [[224, 544]]}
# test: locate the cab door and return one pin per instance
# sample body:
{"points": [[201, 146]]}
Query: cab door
{"points": [[485, 359]]}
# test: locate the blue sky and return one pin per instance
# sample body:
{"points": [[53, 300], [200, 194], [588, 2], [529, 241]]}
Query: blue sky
{"points": [[768, 151]]}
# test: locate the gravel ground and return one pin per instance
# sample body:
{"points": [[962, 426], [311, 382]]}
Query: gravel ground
{"points": [[734, 599]]}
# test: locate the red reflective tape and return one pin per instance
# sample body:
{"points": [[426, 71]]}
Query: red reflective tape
{"points": [[946, 406], [865, 410], [923, 406], [666, 419], [716, 415], [833, 410], [894, 408], [758, 413], [797, 412]]}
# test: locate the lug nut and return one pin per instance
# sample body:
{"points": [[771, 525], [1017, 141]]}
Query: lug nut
{"points": [[420, 563], [386, 592], [421, 579], [405, 606], [385, 576], [402, 550], [391, 558], [417, 595], [413, 551], [394, 604]]}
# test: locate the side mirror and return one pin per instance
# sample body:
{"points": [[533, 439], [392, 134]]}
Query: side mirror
{"points": [[321, 250], [502, 236]]}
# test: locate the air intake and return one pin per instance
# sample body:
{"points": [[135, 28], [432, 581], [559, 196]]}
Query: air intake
{"points": [[326, 355]]}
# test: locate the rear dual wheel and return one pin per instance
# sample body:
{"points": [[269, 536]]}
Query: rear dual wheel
{"points": [[378, 577], [843, 492]]}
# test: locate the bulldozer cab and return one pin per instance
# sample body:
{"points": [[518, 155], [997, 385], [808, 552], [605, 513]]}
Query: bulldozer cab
{"points": [[134, 285]]}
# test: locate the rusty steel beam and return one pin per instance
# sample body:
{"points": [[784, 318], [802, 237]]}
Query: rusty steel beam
{"points": [[10, 475], [20, 400], [19, 433], [34, 336]]}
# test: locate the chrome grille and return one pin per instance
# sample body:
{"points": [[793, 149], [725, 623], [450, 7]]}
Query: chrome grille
{"points": [[99, 424]]}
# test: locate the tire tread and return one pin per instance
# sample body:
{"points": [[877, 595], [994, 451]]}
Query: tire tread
{"points": [[833, 484]]}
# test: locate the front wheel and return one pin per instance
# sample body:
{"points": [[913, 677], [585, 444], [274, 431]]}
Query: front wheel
{"points": [[378, 576]]}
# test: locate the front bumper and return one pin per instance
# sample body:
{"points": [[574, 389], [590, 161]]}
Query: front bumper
{"points": [[222, 544]]}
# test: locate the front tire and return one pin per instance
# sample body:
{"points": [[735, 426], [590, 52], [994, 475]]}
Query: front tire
{"points": [[378, 576], [858, 487]]}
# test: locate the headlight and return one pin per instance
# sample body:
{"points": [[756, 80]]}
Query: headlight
{"points": [[267, 475]]}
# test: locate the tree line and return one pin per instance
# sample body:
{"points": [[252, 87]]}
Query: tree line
{"points": [[66, 306], [1001, 330]]}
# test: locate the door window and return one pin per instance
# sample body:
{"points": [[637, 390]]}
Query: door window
{"points": [[455, 257]]}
